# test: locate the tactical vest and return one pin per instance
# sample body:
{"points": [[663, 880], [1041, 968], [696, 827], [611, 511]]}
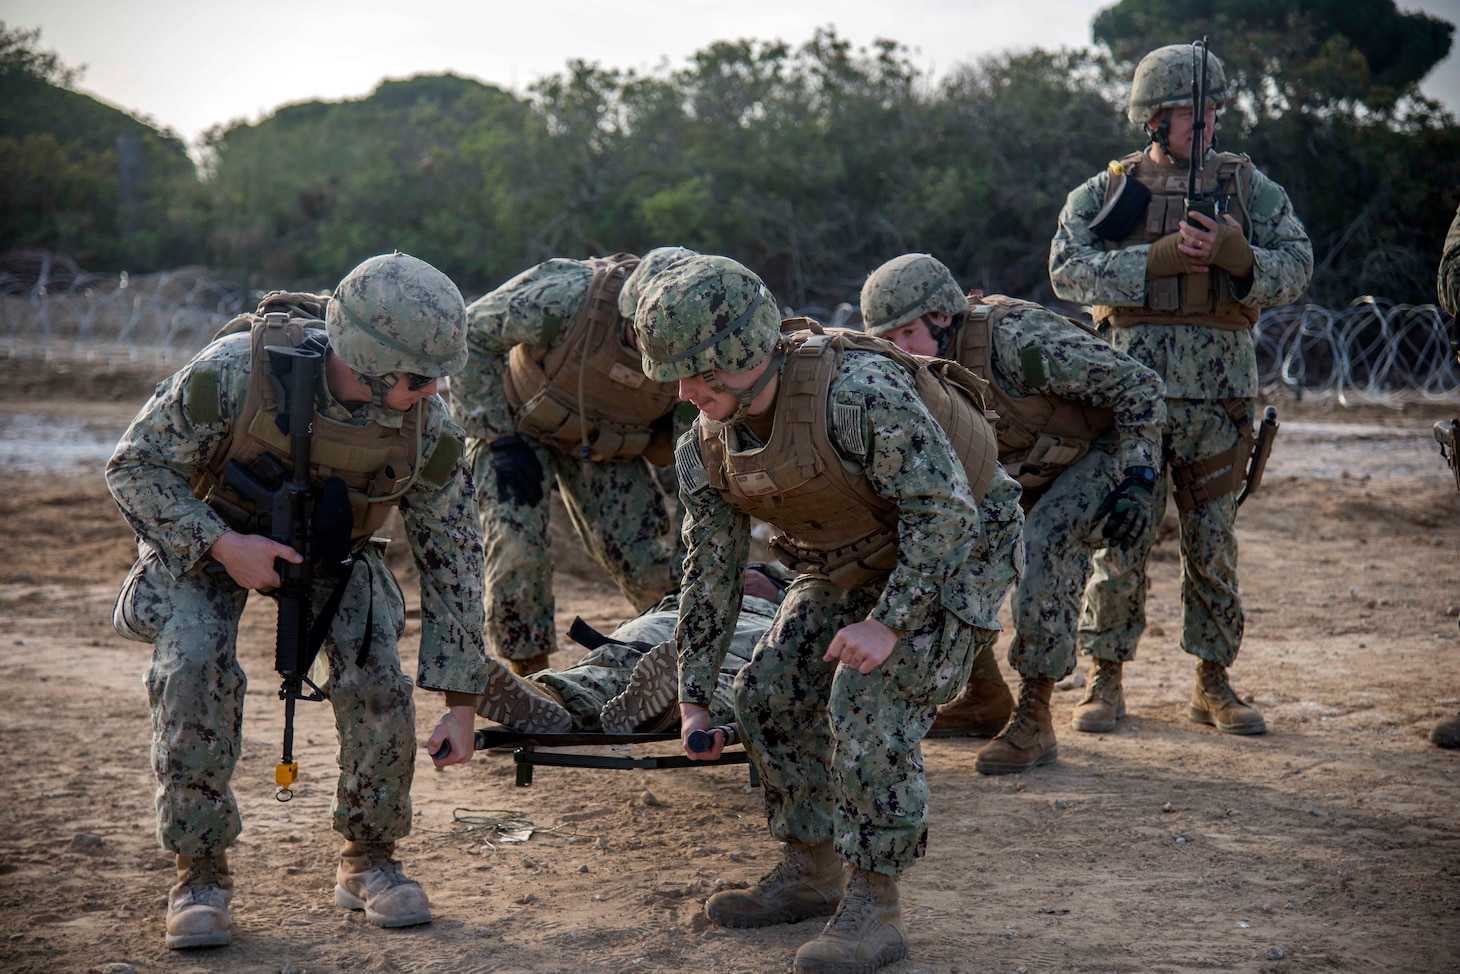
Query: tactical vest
{"points": [[588, 393], [1183, 299], [377, 463], [1039, 435], [830, 521]]}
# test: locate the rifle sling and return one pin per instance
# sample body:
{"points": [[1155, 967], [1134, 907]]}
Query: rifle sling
{"points": [[589, 638]]}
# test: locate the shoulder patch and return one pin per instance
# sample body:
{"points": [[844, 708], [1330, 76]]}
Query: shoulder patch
{"points": [[203, 403], [690, 465], [847, 417], [442, 463], [1032, 364]]}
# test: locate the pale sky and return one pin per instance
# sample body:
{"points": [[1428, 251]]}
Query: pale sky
{"points": [[191, 64]]}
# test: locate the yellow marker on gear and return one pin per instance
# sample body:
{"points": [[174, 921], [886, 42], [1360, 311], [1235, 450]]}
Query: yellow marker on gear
{"points": [[286, 774], [1116, 169]]}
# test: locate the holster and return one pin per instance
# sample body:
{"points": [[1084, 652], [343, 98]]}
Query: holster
{"points": [[1447, 434], [1239, 468]]}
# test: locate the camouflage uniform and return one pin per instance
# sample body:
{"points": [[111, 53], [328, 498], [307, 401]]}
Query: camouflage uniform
{"points": [[839, 752], [1447, 284], [1202, 367], [617, 508], [190, 615]]}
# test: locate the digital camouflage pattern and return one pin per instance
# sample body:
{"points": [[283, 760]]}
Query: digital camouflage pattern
{"points": [[905, 288], [1200, 367], [649, 265], [1163, 79], [1447, 283], [397, 313], [195, 684], [618, 508], [839, 752], [705, 313]]}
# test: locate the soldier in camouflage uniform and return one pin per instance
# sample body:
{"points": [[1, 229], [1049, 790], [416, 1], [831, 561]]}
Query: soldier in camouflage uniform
{"points": [[831, 439], [394, 327], [1447, 732], [629, 682], [1078, 426], [1180, 291], [550, 347]]}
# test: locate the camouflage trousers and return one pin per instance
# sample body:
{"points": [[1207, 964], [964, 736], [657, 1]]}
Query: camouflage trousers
{"points": [[1211, 609], [604, 673], [196, 689], [1060, 535], [617, 509], [839, 753]]}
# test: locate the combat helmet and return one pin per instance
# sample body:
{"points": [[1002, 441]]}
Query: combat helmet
{"points": [[396, 313], [906, 288], [650, 264], [705, 313], [1163, 79]]}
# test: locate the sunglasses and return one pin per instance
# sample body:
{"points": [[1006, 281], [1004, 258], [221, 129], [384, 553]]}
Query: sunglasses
{"points": [[415, 382]]}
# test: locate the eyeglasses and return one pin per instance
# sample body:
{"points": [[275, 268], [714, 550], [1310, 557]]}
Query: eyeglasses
{"points": [[416, 382]]}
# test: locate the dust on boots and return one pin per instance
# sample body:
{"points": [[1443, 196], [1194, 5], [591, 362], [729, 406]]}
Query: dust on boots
{"points": [[807, 882], [1028, 741], [864, 934], [1214, 702], [1104, 700], [369, 879], [197, 907], [983, 704]]}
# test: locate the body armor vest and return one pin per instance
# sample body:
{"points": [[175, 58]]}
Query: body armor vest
{"points": [[1183, 299], [377, 463], [830, 521], [588, 393], [1039, 435]]}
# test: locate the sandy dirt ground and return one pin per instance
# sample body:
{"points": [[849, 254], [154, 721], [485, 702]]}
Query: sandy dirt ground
{"points": [[1330, 844]]}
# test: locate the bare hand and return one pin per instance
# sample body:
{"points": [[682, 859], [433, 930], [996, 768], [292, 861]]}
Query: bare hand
{"points": [[693, 717], [758, 584], [249, 558], [458, 726], [864, 645]]}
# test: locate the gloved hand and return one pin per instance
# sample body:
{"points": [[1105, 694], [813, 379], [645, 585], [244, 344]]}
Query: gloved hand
{"points": [[1164, 260], [519, 474], [1232, 253], [1126, 510]]}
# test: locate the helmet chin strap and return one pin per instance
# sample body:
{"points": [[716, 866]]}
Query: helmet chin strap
{"points": [[746, 396], [379, 386]]}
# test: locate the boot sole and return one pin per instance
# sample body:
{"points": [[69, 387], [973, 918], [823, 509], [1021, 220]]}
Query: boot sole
{"points": [[187, 941], [816, 965], [987, 728], [742, 921], [999, 767], [349, 901], [1246, 730]]}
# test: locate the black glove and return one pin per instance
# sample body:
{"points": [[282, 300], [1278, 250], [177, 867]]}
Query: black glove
{"points": [[1127, 509], [519, 475]]}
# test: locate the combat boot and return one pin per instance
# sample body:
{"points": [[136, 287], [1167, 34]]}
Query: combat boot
{"points": [[529, 666], [648, 703], [865, 933], [197, 907], [1028, 741], [1447, 733], [1215, 702], [523, 705], [1104, 700], [807, 882], [369, 879], [982, 706]]}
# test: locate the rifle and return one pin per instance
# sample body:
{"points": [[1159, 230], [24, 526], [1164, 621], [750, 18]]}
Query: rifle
{"points": [[1199, 202], [291, 508], [1261, 450], [1447, 434]]}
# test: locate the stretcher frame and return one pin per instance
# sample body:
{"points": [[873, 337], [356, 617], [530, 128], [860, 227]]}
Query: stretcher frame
{"points": [[527, 756]]}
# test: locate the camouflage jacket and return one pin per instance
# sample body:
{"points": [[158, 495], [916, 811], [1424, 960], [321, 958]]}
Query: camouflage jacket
{"points": [[1036, 352], [167, 444], [909, 461], [537, 307], [1194, 362], [1447, 283]]}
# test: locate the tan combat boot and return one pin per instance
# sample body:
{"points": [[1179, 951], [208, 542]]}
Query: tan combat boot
{"points": [[197, 907], [982, 706], [807, 882], [1028, 741], [649, 703], [1104, 700], [369, 879], [1447, 733], [523, 705], [529, 666], [865, 934], [1215, 702]]}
